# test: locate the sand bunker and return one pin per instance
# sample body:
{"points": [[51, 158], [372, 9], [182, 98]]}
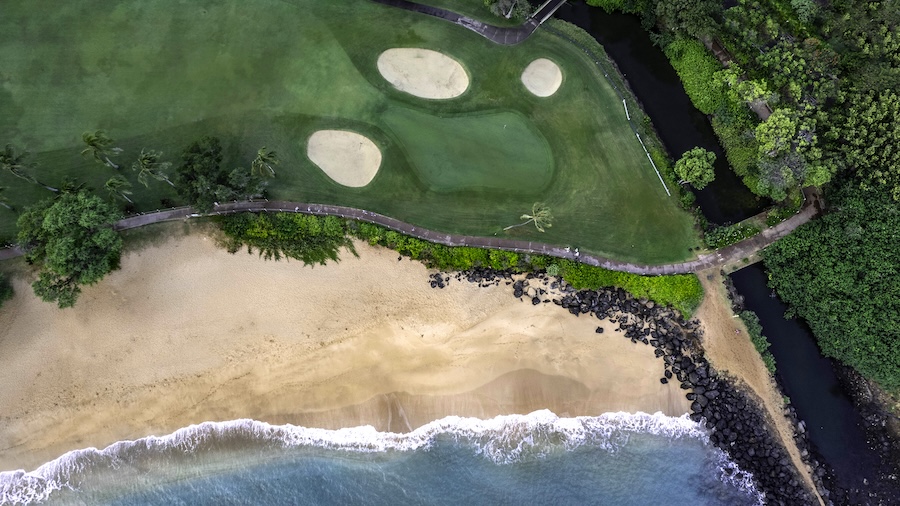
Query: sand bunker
{"points": [[423, 73], [542, 77], [348, 158]]}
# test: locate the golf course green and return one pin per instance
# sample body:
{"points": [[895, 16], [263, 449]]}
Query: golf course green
{"points": [[160, 75]]}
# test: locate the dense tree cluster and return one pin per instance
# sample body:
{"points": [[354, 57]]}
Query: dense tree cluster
{"points": [[203, 181], [841, 273], [71, 239]]}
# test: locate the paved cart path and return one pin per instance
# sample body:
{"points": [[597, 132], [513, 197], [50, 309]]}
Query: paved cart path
{"points": [[730, 254]]}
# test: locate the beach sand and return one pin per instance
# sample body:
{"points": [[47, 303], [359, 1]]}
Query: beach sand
{"points": [[186, 332]]}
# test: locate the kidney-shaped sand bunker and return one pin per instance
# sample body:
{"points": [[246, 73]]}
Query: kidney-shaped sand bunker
{"points": [[348, 158], [423, 73]]}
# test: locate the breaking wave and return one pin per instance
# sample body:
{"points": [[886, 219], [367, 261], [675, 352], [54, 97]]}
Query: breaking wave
{"points": [[503, 440]]}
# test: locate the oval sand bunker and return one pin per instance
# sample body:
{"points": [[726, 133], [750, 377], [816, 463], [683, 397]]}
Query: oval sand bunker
{"points": [[423, 73], [542, 77], [348, 158]]}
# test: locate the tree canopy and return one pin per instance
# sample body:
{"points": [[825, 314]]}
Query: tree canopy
{"points": [[840, 274], [71, 239], [202, 180], [696, 167]]}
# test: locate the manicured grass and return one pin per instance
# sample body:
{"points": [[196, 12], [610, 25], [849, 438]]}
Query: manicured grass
{"points": [[498, 151], [163, 74]]}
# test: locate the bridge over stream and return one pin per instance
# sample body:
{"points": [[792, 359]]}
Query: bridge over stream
{"points": [[505, 35]]}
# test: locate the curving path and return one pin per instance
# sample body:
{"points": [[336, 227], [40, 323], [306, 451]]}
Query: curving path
{"points": [[505, 35], [719, 258]]}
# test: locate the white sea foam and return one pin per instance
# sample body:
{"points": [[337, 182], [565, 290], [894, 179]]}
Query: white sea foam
{"points": [[504, 439]]}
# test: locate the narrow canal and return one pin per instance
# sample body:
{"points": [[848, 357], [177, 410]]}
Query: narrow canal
{"points": [[834, 426]]}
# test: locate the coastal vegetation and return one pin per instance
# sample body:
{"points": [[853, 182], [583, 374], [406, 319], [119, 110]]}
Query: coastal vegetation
{"points": [[760, 341], [309, 239], [573, 150], [71, 240], [313, 239], [839, 273]]}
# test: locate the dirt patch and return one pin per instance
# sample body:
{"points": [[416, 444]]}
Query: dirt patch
{"points": [[348, 158], [542, 77], [423, 73]]}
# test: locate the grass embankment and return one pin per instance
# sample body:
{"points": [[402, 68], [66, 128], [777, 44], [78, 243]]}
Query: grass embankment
{"points": [[312, 240], [192, 70]]}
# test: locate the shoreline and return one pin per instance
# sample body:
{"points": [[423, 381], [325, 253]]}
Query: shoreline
{"points": [[164, 343]]}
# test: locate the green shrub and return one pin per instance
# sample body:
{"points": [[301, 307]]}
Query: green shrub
{"points": [[683, 292], [779, 214], [697, 67], [310, 239], [720, 237], [760, 342], [687, 198], [741, 147], [610, 5]]}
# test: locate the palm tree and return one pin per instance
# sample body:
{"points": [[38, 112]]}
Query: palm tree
{"points": [[148, 165], [263, 163], [118, 186], [17, 166], [100, 146], [72, 185], [540, 215], [4, 201]]}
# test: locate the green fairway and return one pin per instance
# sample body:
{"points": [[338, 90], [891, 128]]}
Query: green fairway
{"points": [[160, 75], [496, 151]]}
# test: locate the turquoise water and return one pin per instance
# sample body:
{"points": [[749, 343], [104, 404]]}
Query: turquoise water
{"points": [[616, 458]]}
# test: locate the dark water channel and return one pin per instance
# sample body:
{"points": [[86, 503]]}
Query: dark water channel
{"points": [[679, 124], [808, 378], [834, 426]]}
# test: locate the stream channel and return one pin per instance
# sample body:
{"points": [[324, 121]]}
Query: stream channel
{"points": [[834, 426]]}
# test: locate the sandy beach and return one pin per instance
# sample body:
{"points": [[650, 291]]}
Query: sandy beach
{"points": [[186, 332]]}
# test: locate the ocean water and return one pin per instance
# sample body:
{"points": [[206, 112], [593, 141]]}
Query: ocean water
{"points": [[613, 459]]}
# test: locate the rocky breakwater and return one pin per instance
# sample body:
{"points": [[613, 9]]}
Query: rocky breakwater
{"points": [[736, 423]]}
